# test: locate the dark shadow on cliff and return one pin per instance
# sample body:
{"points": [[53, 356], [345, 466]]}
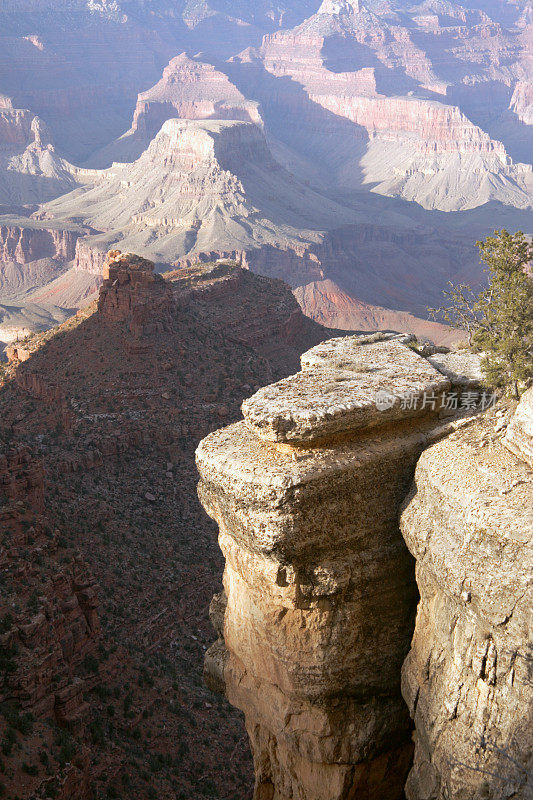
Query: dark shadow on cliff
{"points": [[116, 418]]}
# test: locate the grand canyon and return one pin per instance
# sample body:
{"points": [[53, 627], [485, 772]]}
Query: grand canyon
{"points": [[354, 150], [266, 525]]}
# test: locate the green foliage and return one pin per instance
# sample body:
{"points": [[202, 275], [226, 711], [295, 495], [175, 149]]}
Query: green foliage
{"points": [[498, 320], [506, 332]]}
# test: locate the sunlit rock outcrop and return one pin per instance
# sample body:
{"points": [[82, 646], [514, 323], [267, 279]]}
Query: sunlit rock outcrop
{"points": [[317, 612], [467, 679], [519, 435]]}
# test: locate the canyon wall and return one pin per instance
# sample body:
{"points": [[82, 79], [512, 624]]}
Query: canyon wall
{"points": [[89, 259], [467, 678], [24, 243], [191, 90], [319, 593]]}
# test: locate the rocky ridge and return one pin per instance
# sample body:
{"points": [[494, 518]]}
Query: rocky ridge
{"points": [[113, 402]]}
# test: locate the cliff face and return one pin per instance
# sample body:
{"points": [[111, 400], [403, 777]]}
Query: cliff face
{"points": [[31, 170], [467, 680], [522, 102], [318, 586], [387, 114], [132, 293], [191, 90], [317, 607], [26, 243], [519, 434]]}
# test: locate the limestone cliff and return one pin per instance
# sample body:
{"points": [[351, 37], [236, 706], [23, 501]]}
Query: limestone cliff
{"points": [[319, 596], [467, 679]]}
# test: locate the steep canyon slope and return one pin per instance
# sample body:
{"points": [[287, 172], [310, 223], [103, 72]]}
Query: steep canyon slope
{"points": [[109, 408]]}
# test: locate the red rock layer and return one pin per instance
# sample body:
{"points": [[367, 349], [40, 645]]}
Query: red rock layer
{"points": [[434, 127], [24, 244], [133, 293]]}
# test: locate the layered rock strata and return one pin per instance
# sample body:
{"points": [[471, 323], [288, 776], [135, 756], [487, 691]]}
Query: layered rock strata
{"points": [[319, 594], [191, 90], [25, 242], [467, 679]]}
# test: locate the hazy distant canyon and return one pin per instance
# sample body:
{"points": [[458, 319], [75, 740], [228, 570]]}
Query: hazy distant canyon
{"points": [[354, 149]]}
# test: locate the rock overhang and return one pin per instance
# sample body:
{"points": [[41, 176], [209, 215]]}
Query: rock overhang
{"points": [[287, 489], [345, 387]]}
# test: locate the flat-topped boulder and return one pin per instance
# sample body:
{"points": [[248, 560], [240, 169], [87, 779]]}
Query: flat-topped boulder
{"points": [[519, 436], [345, 386], [463, 369]]}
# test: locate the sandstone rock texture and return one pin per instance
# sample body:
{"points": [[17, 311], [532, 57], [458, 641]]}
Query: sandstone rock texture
{"points": [[317, 610], [467, 678], [519, 436]]}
